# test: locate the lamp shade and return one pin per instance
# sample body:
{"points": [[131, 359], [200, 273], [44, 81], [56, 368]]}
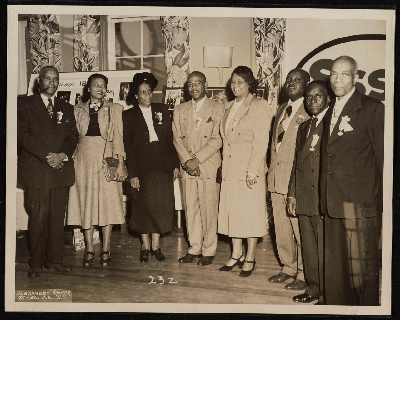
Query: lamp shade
{"points": [[217, 57]]}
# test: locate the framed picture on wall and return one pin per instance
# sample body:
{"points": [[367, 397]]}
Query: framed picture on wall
{"points": [[217, 93], [173, 97], [260, 92]]}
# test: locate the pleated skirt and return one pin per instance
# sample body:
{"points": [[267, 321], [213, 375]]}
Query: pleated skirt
{"points": [[242, 211], [93, 200]]}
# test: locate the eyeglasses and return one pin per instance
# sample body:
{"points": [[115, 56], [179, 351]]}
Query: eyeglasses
{"points": [[144, 92]]}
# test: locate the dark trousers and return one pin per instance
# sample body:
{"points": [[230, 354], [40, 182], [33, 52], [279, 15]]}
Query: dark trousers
{"points": [[46, 209], [352, 261], [312, 247]]}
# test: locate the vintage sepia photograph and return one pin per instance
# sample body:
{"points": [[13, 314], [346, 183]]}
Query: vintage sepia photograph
{"points": [[183, 162]]}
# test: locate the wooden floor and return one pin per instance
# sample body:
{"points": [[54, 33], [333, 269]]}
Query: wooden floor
{"points": [[128, 280]]}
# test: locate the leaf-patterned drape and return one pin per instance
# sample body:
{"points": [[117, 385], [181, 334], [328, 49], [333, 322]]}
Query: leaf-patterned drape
{"points": [[44, 37], [176, 49], [86, 42], [269, 36]]}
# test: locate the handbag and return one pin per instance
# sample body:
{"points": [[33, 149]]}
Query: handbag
{"points": [[110, 164]]}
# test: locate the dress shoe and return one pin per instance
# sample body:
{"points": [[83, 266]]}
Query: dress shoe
{"points": [[280, 278], [157, 254], [88, 262], [144, 255], [188, 258], [105, 262], [297, 284], [205, 260], [34, 273], [57, 267], [245, 274], [304, 298], [238, 263]]}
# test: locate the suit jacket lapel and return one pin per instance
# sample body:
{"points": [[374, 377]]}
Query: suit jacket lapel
{"points": [[42, 113], [235, 120], [189, 117], [300, 113], [224, 128], [155, 110], [307, 142], [350, 110]]}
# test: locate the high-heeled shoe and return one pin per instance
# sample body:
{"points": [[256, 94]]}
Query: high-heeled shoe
{"points": [[238, 263], [144, 255], [88, 262], [245, 274], [105, 262], [157, 254]]}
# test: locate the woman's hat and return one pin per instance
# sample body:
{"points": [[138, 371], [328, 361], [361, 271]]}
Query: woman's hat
{"points": [[144, 77]]}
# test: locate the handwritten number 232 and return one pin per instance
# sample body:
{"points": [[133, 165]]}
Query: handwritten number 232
{"points": [[161, 280]]}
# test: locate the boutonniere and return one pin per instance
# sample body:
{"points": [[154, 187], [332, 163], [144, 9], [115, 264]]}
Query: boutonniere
{"points": [[59, 117], [198, 122], [235, 122], [159, 117], [315, 139], [299, 120], [344, 125]]}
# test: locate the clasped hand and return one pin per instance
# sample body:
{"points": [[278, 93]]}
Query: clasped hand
{"points": [[55, 160], [251, 180], [192, 167]]}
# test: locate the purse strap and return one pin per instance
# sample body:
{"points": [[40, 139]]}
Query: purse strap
{"points": [[109, 121]]}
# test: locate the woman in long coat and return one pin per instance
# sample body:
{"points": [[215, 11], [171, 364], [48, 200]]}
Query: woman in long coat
{"points": [[152, 165], [94, 200], [245, 133]]}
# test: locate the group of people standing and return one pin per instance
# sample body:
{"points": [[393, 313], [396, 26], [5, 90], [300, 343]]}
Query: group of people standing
{"points": [[322, 222]]}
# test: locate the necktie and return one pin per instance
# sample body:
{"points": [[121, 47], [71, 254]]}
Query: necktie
{"points": [[50, 108], [334, 118], [281, 130], [313, 125], [195, 111]]}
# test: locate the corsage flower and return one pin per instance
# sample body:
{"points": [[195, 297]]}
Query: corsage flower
{"points": [[314, 142], [159, 117], [344, 125], [59, 117], [299, 120]]}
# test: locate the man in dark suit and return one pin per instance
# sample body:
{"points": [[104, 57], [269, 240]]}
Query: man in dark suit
{"points": [[351, 190], [303, 196], [47, 137]]}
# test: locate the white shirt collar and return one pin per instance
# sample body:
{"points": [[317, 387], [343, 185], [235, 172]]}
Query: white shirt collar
{"points": [[340, 103], [295, 105], [199, 104], [145, 109], [321, 115], [46, 99]]}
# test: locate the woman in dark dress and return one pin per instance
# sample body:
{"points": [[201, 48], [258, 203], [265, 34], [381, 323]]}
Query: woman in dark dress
{"points": [[152, 165]]}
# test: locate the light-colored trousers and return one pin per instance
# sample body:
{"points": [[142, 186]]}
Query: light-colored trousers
{"points": [[287, 237], [200, 200]]}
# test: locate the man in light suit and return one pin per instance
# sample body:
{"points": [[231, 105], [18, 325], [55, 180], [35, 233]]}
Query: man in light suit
{"points": [[289, 116], [47, 137], [351, 190], [198, 142], [303, 195]]}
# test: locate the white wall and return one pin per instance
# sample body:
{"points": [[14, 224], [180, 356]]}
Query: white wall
{"points": [[221, 32]]}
